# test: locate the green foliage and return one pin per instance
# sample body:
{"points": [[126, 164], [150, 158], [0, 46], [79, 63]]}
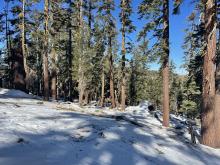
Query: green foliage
{"points": [[91, 45], [191, 99], [143, 83], [126, 11], [152, 13]]}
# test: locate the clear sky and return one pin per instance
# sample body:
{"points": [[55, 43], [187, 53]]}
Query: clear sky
{"points": [[177, 25]]}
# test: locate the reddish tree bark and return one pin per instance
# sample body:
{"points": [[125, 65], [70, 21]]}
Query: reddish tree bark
{"points": [[208, 106], [165, 67]]}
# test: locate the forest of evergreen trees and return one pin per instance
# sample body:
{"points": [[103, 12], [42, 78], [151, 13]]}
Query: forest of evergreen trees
{"points": [[69, 50]]}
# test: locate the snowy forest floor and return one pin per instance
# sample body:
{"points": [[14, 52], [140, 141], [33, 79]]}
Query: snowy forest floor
{"points": [[33, 132]]}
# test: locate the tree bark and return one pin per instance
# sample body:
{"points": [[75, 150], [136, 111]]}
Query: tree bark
{"points": [[103, 88], [23, 41], [217, 95], [8, 43], [165, 67], [90, 22], [86, 97], [81, 86], [54, 85], [45, 54], [116, 99], [70, 79], [111, 75], [217, 120], [123, 85], [208, 130], [54, 76]]}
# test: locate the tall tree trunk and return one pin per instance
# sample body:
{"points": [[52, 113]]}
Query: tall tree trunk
{"points": [[53, 75], [111, 75], [123, 85], [69, 55], [45, 54], [165, 67], [81, 86], [70, 79], [8, 45], [217, 95], [23, 41], [90, 22], [208, 130], [103, 88], [11, 58]]}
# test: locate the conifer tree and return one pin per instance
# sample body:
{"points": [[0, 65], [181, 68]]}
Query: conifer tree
{"points": [[193, 45], [46, 47], [4, 26], [127, 27], [105, 9], [156, 13]]}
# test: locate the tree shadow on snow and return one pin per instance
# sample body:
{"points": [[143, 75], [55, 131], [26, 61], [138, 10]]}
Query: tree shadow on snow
{"points": [[78, 139]]}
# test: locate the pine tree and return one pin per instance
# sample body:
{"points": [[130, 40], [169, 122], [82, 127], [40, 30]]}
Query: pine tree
{"points": [[191, 97], [23, 42], [105, 9], [166, 63], [45, 54], [127, 27], [193, 45], [4, 26], [157, 14]]}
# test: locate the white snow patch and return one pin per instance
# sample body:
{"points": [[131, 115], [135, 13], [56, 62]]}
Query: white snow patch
{"points": [[51, 134]]}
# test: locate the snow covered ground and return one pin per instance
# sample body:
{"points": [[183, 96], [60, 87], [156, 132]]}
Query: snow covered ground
{"points": [[33, 132]]}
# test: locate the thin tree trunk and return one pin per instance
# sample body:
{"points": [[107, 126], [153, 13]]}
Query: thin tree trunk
{"points": [[23, 41], [111, 75], [10, 59], [54, 76], [90, 22], [165, 67], [123, 85], [8, 44], [69, 55], [45, 54], [54, 85], [80, 70], [208, 130], [70, 80], [103, 88], [39, 75]]}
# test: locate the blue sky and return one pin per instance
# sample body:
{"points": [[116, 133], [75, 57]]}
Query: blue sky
{"points": [[177, 25]]}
